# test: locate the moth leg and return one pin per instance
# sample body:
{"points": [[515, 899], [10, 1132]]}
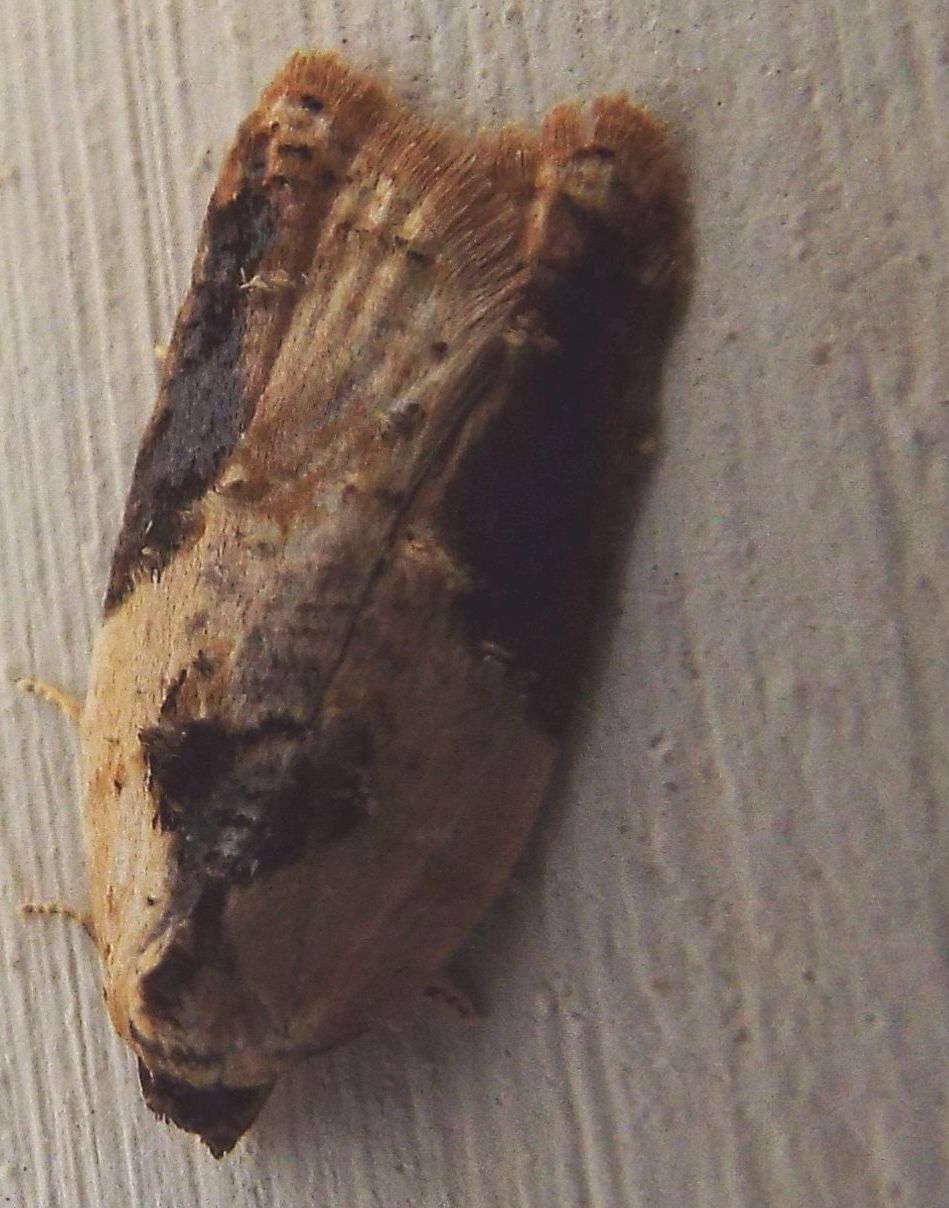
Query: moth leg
{"points": [[63, 910], [65, 702], [446, 993], [71, 707]]}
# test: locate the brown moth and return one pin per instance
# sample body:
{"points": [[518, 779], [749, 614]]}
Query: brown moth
{"points": [[353, 585]]}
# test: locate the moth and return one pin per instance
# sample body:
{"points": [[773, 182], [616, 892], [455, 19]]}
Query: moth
{"points": [[352, 592]]}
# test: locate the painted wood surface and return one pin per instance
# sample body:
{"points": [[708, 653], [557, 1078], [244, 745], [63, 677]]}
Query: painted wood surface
{"points": [[719, 977]]}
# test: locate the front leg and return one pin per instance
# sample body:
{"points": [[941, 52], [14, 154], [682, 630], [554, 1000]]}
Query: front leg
{"points": [[71, 707], [65, 702]]}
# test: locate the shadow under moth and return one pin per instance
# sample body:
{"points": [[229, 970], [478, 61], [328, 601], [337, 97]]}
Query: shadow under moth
{"points": [[358, 568]]}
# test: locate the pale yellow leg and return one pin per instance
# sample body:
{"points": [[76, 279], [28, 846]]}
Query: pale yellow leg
{"points": [[65, 702], [71, 706], [49, 909]]}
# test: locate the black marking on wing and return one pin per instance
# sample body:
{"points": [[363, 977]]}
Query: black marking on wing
{"points": [[204, 406], [242, 802], [534, 510]]}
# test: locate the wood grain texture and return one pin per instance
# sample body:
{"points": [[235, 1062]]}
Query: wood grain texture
{"points": [[721, 978]]}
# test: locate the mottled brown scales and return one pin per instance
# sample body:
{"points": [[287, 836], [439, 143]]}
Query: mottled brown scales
{"points": [[353, 587]]}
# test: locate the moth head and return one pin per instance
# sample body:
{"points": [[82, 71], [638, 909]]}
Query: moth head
{"points": [[219, 1115]]}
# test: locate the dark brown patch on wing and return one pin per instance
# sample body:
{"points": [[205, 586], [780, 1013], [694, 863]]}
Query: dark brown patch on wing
{"points": [[273, 194], [195, 915], [242, 802], [532, 508], [204, 405]]}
